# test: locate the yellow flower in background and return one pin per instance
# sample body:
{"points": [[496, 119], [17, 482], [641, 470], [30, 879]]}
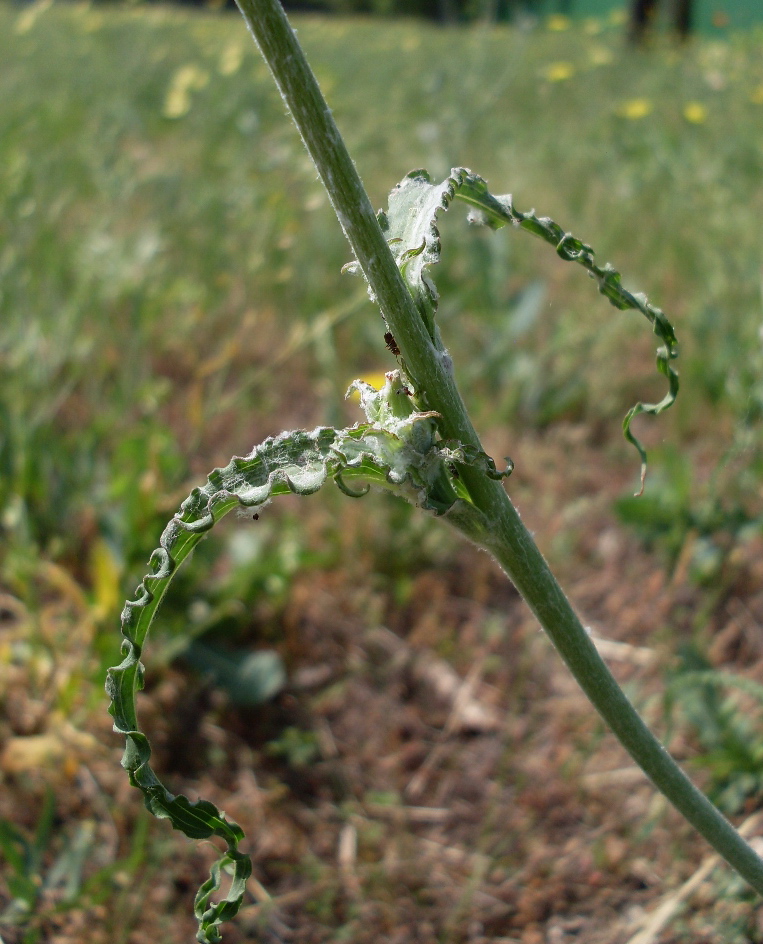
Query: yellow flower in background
{"points": [[558, 23], [187, 79], [756, 96], [592, 26], [695, 112], [634, 109], [377, 379], [92, 22], [411, 42], [26, 20], [231, 59], [601, 56], [618, 17], [558, 71]]}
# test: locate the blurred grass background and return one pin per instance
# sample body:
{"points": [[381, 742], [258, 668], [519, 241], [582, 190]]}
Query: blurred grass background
{"points": [[170, 293]]}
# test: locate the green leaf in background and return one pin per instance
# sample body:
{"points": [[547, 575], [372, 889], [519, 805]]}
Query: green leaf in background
{"points": [[247, 678]]}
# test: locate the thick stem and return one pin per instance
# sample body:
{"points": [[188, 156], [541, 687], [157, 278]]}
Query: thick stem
{"points": [[515, 549], [509, 540]]}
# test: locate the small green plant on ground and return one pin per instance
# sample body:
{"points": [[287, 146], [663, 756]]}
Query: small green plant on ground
{"points": [[722, 709], [417, 442]]}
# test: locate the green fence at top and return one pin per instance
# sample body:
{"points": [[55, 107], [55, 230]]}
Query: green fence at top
{"points": [[709, 16], [715, 16]]}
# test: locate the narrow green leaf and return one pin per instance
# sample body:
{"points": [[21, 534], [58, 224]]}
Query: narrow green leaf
{"points": [[14, 848]]}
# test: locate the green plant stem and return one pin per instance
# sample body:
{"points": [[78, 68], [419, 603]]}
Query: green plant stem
{"points": [[501, 530]]}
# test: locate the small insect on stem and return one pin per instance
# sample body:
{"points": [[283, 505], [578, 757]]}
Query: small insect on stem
{"points": [[389, 340], [255, 517], [454, 471]]}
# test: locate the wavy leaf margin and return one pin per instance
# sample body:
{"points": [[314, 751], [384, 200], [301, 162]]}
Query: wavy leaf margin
{"points": [[398, 450], [411, 227]]}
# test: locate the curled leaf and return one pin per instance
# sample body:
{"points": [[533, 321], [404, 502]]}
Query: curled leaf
{"points": [[396, 449], [411, 228]]}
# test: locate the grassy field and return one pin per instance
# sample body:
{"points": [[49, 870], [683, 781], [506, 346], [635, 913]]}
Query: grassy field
{"points": [[171, 293]]}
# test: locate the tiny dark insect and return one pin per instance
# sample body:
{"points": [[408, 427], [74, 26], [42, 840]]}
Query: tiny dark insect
{"points": [[406, 391], [389, 340], [255, 517], [454, 471]]}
